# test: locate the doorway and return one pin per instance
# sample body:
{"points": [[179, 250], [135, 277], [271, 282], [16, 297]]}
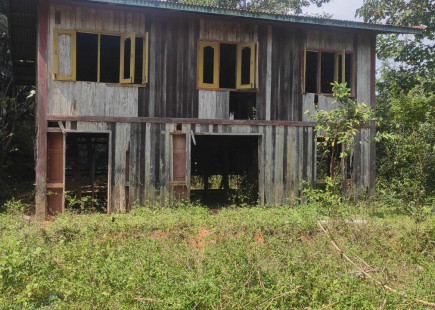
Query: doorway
{"points": [[87, 171], [224, 170]]}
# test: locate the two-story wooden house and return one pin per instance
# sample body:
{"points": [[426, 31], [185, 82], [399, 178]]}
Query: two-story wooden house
{"points": [[141, 100]]}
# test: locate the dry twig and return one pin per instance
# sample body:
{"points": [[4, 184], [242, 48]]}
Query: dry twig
{"points": [[368, 275]]}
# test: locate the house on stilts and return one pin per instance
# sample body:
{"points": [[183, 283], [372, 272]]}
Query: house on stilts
{"points": [[144, 100]]}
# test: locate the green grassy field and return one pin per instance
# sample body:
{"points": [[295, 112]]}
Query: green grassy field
{"points": [[190, 258]]}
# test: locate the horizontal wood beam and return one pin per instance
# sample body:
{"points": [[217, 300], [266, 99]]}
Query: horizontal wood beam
{"points": [[162, 120]]}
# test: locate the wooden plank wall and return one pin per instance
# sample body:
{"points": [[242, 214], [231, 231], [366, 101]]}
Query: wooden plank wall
{"points": [[83, 98], [286, 157], [286, 98], [172, 89], [287, 154]]}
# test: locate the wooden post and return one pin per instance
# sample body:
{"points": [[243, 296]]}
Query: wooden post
{"points": [[343, 162], [41, 111], [372, 181]]}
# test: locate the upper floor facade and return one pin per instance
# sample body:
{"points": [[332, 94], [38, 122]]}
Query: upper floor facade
{"points": [[160, 60]]}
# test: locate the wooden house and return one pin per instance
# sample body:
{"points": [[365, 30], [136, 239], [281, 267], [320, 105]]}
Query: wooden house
{"points": [[141, 100]]}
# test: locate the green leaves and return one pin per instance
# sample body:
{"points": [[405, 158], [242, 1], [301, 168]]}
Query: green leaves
{"points": [[341, 124]]}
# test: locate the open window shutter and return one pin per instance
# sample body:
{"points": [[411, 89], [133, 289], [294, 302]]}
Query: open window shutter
{"points": [[208, 64], [304, 73], [145, 59], [64, 55], [246, 60], [128, 47]]}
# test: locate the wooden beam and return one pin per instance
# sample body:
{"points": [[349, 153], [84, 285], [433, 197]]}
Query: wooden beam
{"points": [[162, 120], [41, 111], [372, 181]]}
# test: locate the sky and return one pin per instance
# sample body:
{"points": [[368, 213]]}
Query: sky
{"points": [[340, 9]]}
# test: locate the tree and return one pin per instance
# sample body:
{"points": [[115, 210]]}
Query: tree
{"points": [[274, 6], [406, 98], [16, 124], [339, 126]]}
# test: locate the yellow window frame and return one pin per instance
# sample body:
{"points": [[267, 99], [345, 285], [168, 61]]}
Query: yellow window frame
{"points": [[216, 47], [240, 47], [125, 37], [337, 75], [145, 59], [56, 34]]}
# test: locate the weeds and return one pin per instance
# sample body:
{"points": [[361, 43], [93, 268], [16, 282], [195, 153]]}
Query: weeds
{"points": [[185, 258]]}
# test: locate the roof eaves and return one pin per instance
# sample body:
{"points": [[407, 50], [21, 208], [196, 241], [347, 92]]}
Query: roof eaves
{"points": [[265, 16]]}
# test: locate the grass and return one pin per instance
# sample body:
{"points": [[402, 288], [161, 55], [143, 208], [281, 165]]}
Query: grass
{"points": [[188, 258]]}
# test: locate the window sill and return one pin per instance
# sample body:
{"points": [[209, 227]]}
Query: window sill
{"points": [[108, 84], [252, 90], [326, 94]]}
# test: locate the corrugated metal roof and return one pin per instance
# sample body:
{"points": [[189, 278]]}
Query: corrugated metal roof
{"points": [[244, 13]]}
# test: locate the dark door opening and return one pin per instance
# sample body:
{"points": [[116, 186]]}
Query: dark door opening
{"points": [[224, 170], [86, 172]]}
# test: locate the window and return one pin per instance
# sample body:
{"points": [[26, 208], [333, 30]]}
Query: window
{"points": [[87, 57], [227, 65], [100, 57], [64, 55], [321, 68]]}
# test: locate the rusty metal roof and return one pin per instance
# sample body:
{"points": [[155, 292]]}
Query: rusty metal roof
{"points": [[23, 24]]}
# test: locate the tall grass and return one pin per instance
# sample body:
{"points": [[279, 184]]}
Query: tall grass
{"points": [[190, 258]]}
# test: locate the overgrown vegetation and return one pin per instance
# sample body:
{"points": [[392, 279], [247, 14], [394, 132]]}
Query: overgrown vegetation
{"points": [[16, 126], [244, 258]]}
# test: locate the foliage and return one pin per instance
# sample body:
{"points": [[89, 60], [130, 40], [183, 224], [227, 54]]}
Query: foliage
{"points": [[256, 258], [16, 125], [412, 54], [83, 204], [327, 201], [275, 6], [405, 104], [341, 124]]}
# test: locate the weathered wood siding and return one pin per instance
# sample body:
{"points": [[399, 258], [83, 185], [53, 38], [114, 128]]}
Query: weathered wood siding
{"points": [[172, 89], [287, 155], [286, 94]]}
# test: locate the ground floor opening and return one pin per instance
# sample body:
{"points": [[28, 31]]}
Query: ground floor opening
{"points": [[86, 171], [224, 170]]}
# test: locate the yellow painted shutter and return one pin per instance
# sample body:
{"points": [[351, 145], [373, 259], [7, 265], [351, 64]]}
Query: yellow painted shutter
{"points": [[215, 47], [145, 59], [250, 82], [123, 76], [64, 55]]}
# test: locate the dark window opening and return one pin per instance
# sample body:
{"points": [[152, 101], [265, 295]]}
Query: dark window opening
{"points": [[109, 58], [138, 63], [348, 70], [340, 69], [311, 72], [243, 105], [208, 65], [224, 170], [228, 59], [127, 58], [327, 72], [87, 57], [246, 66], [86, 171]]}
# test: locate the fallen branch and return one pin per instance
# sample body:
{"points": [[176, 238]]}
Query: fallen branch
{"points": [[384, 286]]}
